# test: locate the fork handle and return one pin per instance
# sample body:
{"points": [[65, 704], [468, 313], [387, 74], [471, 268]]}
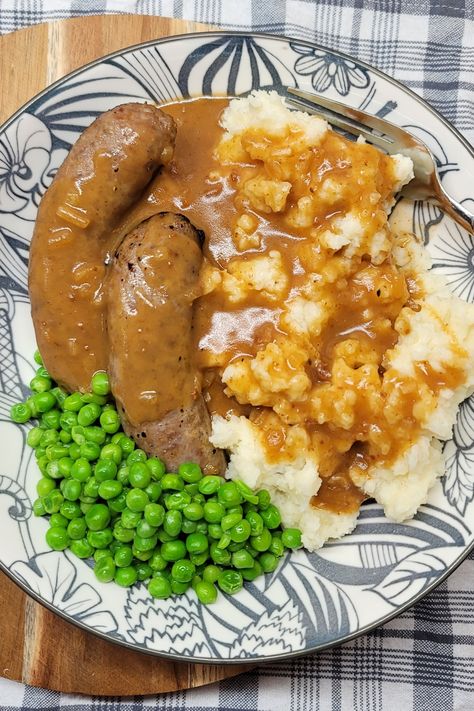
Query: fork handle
{"points": [[456, 210]]}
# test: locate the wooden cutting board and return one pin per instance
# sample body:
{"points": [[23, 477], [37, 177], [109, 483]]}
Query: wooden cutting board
{"points": [[36, 646]]}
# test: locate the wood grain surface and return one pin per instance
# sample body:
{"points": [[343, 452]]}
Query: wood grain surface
{"points": [[36, 646]]}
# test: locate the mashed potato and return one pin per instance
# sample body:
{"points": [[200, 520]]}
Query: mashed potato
{"points": [[358, 357]]}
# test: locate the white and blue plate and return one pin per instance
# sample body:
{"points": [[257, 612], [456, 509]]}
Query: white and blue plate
{"points": [[313, 600]]}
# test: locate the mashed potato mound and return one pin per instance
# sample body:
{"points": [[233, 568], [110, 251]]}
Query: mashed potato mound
{"points": [[359, 355]]}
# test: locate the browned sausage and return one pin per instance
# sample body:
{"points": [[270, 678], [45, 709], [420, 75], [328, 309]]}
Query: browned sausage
{"points": [[151, 287], [105, 172]]}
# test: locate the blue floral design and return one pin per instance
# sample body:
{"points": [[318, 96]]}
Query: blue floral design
{"points": [[328, 70], [453, 253]]}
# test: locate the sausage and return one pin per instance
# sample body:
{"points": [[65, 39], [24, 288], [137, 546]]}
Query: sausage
{"points": [[151, 287], [105, 172]]}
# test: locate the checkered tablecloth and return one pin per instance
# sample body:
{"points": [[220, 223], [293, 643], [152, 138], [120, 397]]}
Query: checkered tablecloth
{"points": [[423, 660]]}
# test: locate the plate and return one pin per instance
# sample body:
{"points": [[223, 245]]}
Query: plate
{"points": [[312, 601]]}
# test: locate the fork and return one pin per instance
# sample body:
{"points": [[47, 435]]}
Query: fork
{"points": [[426, 184]]}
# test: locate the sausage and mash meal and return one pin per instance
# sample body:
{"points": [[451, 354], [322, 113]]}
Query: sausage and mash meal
{"points": [[231, 265]]}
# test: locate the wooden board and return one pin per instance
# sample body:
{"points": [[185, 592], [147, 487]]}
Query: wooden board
{"points": [[36, 646]]}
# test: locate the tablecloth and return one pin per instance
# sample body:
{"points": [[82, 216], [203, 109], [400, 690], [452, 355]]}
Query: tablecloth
{"points": [[424, 659]]}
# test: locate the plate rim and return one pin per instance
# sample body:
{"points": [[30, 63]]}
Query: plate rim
{"points": [[399, 610]]}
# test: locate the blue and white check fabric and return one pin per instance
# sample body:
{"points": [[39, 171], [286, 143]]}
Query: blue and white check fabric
{"points": [[424, 659]]}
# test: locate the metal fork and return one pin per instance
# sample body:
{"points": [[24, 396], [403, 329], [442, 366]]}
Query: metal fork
{"points": [[426, 184]]}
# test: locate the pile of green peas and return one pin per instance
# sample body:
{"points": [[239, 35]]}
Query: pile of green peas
{"points": [[107, 500]]}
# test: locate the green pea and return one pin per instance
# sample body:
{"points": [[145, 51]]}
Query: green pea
{"points": [[122, 534], [154, 514], [38, 507], [52, 502], [183, 570], [229, 494], [88, 414], [50, 419], [130, 518], [230, 581], [240, 532], [210, 484], [262, 542], [220, 556], [173, 550], [68, 420], [126, 444], [57, 538], [193, 512], [70, 510], [263, 499], [81, 548], [145, 544], [109, 489], [56, 451], [57, 519], [246, 492], [199, 559], [157, 562], [77, 528], [43, 464], [224, 541], [65, 466], [122, 474], [100, 384], [137, 500], [137, 455], [91, 488], [236, 546], [179, 500], [81, 470], [206, 592], [126, 577], [139, 475], [271, 517], [188, 526], [41, 452], [242, 559], [172, 482], [33, 437], [159, 588], [40, 385], [44, 486], [211, 573], [214, 531], [85, 506], [164, 537], [105, 469], [77, 434], [144, 530], [73, 403], [213, 511], [101, 553], [144, 571], [71, 489], [49, 437], [291, 538], [153, 491], [277, 547], [111, 451], [97, 517], [94, 434], [178, 588], [105, 570], [190, 472], [230, 520], [123, 557], [196, 543], [256, 523], [191, 489], [268, 561], [201, 527], [118, 503], [74, 451], [250, 574], [110, 421], [90, 451], [59, 394], [37, 357], [100, 539], [65, 437]]}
